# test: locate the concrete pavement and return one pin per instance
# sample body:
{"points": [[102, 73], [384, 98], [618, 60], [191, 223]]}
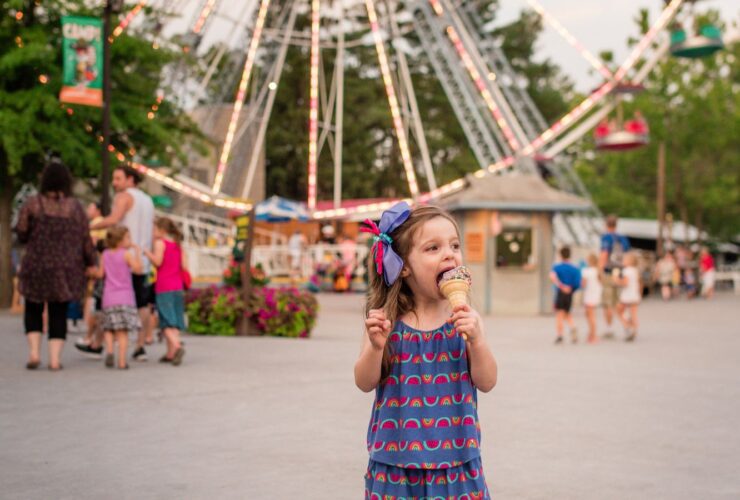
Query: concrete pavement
{"points": [[270, 418]]}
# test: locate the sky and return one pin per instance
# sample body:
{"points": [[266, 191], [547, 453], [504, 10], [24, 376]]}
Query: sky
{"points": [[597, 24]]}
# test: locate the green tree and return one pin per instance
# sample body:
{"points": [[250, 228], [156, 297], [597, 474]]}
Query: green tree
{"points": [[33, 123]]}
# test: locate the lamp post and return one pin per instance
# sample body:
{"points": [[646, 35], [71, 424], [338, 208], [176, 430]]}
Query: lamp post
{"points": [[111, 7]]}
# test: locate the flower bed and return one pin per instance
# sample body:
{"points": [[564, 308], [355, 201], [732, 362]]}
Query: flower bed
{"points": [[283, 312]]}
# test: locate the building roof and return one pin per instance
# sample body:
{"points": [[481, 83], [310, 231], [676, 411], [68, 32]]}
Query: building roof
{"points": [[647, 229], [513, 192]]}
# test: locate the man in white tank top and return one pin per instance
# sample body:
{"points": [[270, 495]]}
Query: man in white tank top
{"points": [[134, 209]]}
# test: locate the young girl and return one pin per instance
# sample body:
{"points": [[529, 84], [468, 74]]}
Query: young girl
{"points": [[119, 304], [629, 296], [592, 289], [169, 259], [424, 433]]}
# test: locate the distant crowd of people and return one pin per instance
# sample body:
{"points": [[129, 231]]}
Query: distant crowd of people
{"points": [[334, 268], [613, 279], [105, 263]]}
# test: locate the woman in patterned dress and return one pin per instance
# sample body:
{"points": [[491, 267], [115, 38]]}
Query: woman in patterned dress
{"points": [[58, 250], [424, 433]]}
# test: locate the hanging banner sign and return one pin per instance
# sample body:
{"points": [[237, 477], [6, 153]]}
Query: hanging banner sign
{"points": [[82, 54]]}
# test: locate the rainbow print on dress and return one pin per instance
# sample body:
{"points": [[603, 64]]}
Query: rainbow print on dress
{"points": [[424, 434]]}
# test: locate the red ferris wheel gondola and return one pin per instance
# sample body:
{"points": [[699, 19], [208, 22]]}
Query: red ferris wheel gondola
{"points": [[635, 133]]}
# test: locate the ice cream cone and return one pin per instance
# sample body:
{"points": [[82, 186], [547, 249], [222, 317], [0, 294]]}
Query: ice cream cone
{"points": [[456, 291]]}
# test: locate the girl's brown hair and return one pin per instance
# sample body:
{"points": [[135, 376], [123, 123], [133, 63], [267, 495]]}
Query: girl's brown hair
{"points": [[168, 226], [397, 299], [114, 236]]}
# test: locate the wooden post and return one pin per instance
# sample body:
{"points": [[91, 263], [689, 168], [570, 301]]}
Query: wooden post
{"points": [[243, 248], [660, 196]]}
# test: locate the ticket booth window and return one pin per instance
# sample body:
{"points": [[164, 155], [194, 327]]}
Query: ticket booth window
{"points": [[514, 247]]}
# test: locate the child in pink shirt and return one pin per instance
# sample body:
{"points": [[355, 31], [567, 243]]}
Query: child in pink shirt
{"points": [[169, 259]]}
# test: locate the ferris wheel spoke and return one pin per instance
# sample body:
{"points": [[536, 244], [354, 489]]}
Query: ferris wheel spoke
{"points": [[392, 100], [240, 95], [205, 13], [126, 21], [313, 102]]}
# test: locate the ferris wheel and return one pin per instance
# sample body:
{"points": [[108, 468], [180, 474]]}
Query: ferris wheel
{"points": [[503, 127]]}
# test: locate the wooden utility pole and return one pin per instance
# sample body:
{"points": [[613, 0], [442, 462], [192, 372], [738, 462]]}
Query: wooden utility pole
{"points": [[111, 7], [243, 253], [660, 196]]}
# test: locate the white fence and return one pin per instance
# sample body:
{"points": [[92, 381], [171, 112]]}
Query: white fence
{"points": [[729, 274]]}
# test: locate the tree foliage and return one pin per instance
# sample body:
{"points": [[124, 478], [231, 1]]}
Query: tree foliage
{"points": [[34, 124]]}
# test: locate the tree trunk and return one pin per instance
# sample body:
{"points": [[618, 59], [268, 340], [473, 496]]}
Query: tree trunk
{"points": [[6, 237]]}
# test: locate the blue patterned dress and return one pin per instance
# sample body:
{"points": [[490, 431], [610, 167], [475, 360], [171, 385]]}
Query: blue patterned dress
{"points": [[424, 434]]}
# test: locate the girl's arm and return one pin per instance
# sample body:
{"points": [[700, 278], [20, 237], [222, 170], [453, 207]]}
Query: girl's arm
{"points": [[184, 260], [482, 363], [134, 261], [157, 256], [368, 365]]}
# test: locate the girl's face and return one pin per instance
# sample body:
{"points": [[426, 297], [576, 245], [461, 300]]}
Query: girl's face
{"points": [[435, 249], [157, 232]]}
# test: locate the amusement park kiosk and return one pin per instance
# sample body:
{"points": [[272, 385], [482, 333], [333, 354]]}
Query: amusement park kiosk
{"points": [[508, 241]]}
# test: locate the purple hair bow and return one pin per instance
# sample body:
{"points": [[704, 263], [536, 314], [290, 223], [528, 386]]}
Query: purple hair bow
{"points": [[387, 261]]}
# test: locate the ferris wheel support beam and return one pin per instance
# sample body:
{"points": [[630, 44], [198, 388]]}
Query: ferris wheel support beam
{"points": [[272, 93], [413, 106], [483, 138], [489, 89]]}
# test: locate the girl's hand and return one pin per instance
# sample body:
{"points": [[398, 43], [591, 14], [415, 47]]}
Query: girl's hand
{"points": [[378, 328], [468, 322]]}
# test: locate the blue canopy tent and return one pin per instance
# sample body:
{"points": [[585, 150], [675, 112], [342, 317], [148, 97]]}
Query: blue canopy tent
{"points": [[277, 209]]}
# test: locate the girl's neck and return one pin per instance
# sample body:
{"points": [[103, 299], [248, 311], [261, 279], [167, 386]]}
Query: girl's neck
{"points": [[427, 314]]}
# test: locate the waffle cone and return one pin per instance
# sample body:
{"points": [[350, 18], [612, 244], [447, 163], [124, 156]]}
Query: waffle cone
{"points": [[456, 291]]}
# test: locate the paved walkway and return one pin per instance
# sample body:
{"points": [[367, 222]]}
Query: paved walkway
{"points": [[264, 418]]}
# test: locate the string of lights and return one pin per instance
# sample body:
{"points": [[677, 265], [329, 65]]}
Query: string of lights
{"points": [[313, 110], [563, 32], [240, 95], [480, 84], [205, 13], [403, 145], [126, 21]]}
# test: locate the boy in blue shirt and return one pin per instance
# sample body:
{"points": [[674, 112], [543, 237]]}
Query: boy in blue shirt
{"points": [[567, 278]]}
